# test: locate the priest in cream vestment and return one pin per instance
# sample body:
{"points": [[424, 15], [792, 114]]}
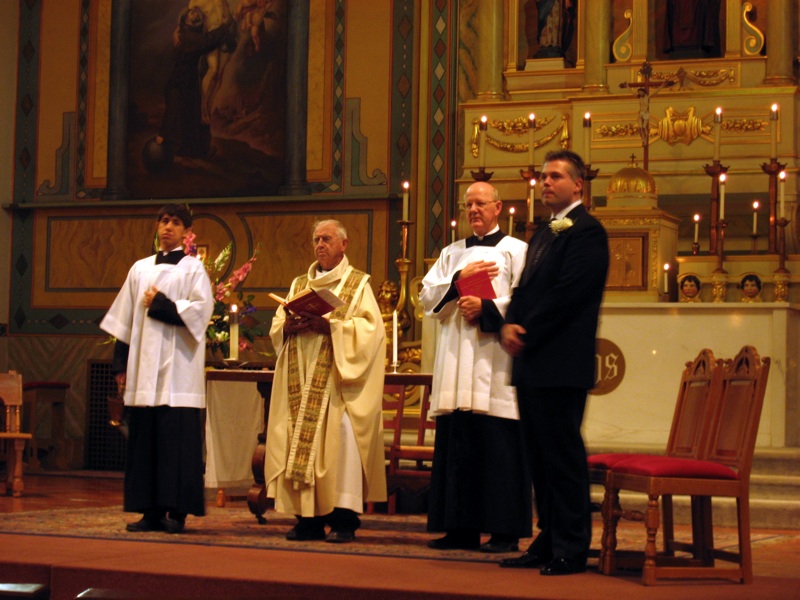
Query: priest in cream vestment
{"points": [[325, 451], [479, 484]]}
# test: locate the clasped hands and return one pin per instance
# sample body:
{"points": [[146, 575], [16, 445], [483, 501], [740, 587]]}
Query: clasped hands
{"points": [[470, 307], [305, 321]]}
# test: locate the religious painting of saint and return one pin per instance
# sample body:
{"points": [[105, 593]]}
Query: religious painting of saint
{"points": [[207, 98]]}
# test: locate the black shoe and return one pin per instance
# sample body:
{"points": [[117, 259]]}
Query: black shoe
{"points": [[494, 547], [145, 524], [300, 533], [455, 542], [529, 560], [340, 536], [172, 525], [563, 566]]}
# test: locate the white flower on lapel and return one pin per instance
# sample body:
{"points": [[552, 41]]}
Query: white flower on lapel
{"points": [[559, 225]]}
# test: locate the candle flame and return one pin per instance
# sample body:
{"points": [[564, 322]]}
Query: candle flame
{"points": [[532, 182], [511, 210], [696, 218], [755, 205], [234, 308], [406, 185], [722, 178], [532, 117], [453, 224], [782, 175], [666, 266]]}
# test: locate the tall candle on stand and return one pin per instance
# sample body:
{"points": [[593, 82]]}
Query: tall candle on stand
{"points": [[406, 185], [773, 132], [394, 338], [722, 197], [511, 221], [531, 138], [782, 188], [717, 125], [696, 228], [666, 278], [233, 323], [755, 217], [453, 231], [482, 128], [587, 137], [531, 198]]}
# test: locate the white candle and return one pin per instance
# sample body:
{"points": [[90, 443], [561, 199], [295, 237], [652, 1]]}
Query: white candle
{"points": [[482, 141], [394, 338], [782, 187], [406, 185], [722, 197], [696, 228], [531, 198], [755, 217], [587, 138], [453, 231], [717, 126], [666, 278], [233, 322], [773, 132], [511, 221], [531, 138]]}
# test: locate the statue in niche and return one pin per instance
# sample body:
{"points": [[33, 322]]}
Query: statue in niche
{"points": [[691, 29], [751, 288], [554, 27], [690, 289]]}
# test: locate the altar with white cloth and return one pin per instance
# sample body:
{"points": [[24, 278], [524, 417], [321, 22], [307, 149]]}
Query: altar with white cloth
{"points": [[234, 420]]}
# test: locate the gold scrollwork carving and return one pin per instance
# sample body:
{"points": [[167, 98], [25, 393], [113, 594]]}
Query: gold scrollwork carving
{"points": [[744, 125], [622, 48], [680, 128], [753, 42], [514, 126], [617, 130], [704, 78]]}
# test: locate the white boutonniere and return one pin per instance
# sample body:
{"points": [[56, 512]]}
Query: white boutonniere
{"points": [[559, 225]]}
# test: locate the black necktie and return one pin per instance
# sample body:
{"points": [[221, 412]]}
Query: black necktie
{"points": [[538, 246]]}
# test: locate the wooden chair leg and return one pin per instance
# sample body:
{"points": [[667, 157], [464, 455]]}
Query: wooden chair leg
{"points": [[652, 521], [608, 542], [15, 467], [745, 552]]}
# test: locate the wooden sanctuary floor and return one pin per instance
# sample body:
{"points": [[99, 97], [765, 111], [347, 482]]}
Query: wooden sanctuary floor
{"points": [[70, 565]]}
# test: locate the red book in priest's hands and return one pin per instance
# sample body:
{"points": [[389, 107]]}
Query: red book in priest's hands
{"points": [[478, 284], [317, 302]]}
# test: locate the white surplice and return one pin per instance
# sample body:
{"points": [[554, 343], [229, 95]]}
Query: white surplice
{"points": [[471, 370], [166, 362]]}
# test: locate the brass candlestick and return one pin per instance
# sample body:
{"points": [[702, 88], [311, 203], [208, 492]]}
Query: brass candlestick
{"points": [[481, 174], [719, 289], [714, 171], [772, 169], [781, 275]]}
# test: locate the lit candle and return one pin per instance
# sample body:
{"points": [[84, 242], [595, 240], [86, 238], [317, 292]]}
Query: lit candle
{"points": [[717, 126], [755, 217], [406, 185], [666, 278], [782, 186], [394, 338], [696, 228], [722, 197], [233, 322], [511, 221], [531, 138], [531, 198], [482, 141], [587, 138], [773, 132], [453, 231]]}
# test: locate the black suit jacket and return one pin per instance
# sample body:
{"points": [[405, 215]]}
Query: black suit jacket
{"points": [[558, 305]]}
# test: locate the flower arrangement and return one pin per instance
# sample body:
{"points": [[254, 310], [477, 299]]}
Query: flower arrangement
{"points": [[559, 225], [218, 330]]}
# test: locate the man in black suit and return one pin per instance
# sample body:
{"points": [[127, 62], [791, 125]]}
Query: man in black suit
{"points": [[550, 330]]}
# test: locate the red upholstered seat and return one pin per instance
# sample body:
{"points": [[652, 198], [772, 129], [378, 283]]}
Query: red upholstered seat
{"points": [[667, 466]]}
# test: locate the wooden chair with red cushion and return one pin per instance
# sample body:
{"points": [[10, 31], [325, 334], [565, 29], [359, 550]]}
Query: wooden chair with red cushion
{"points": [[701, 380], [722, 471]]}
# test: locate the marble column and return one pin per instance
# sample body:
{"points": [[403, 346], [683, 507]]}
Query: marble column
{"points": [[781, 20], [295, 147], [116, 184], [597, 42], [490, 50]]}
